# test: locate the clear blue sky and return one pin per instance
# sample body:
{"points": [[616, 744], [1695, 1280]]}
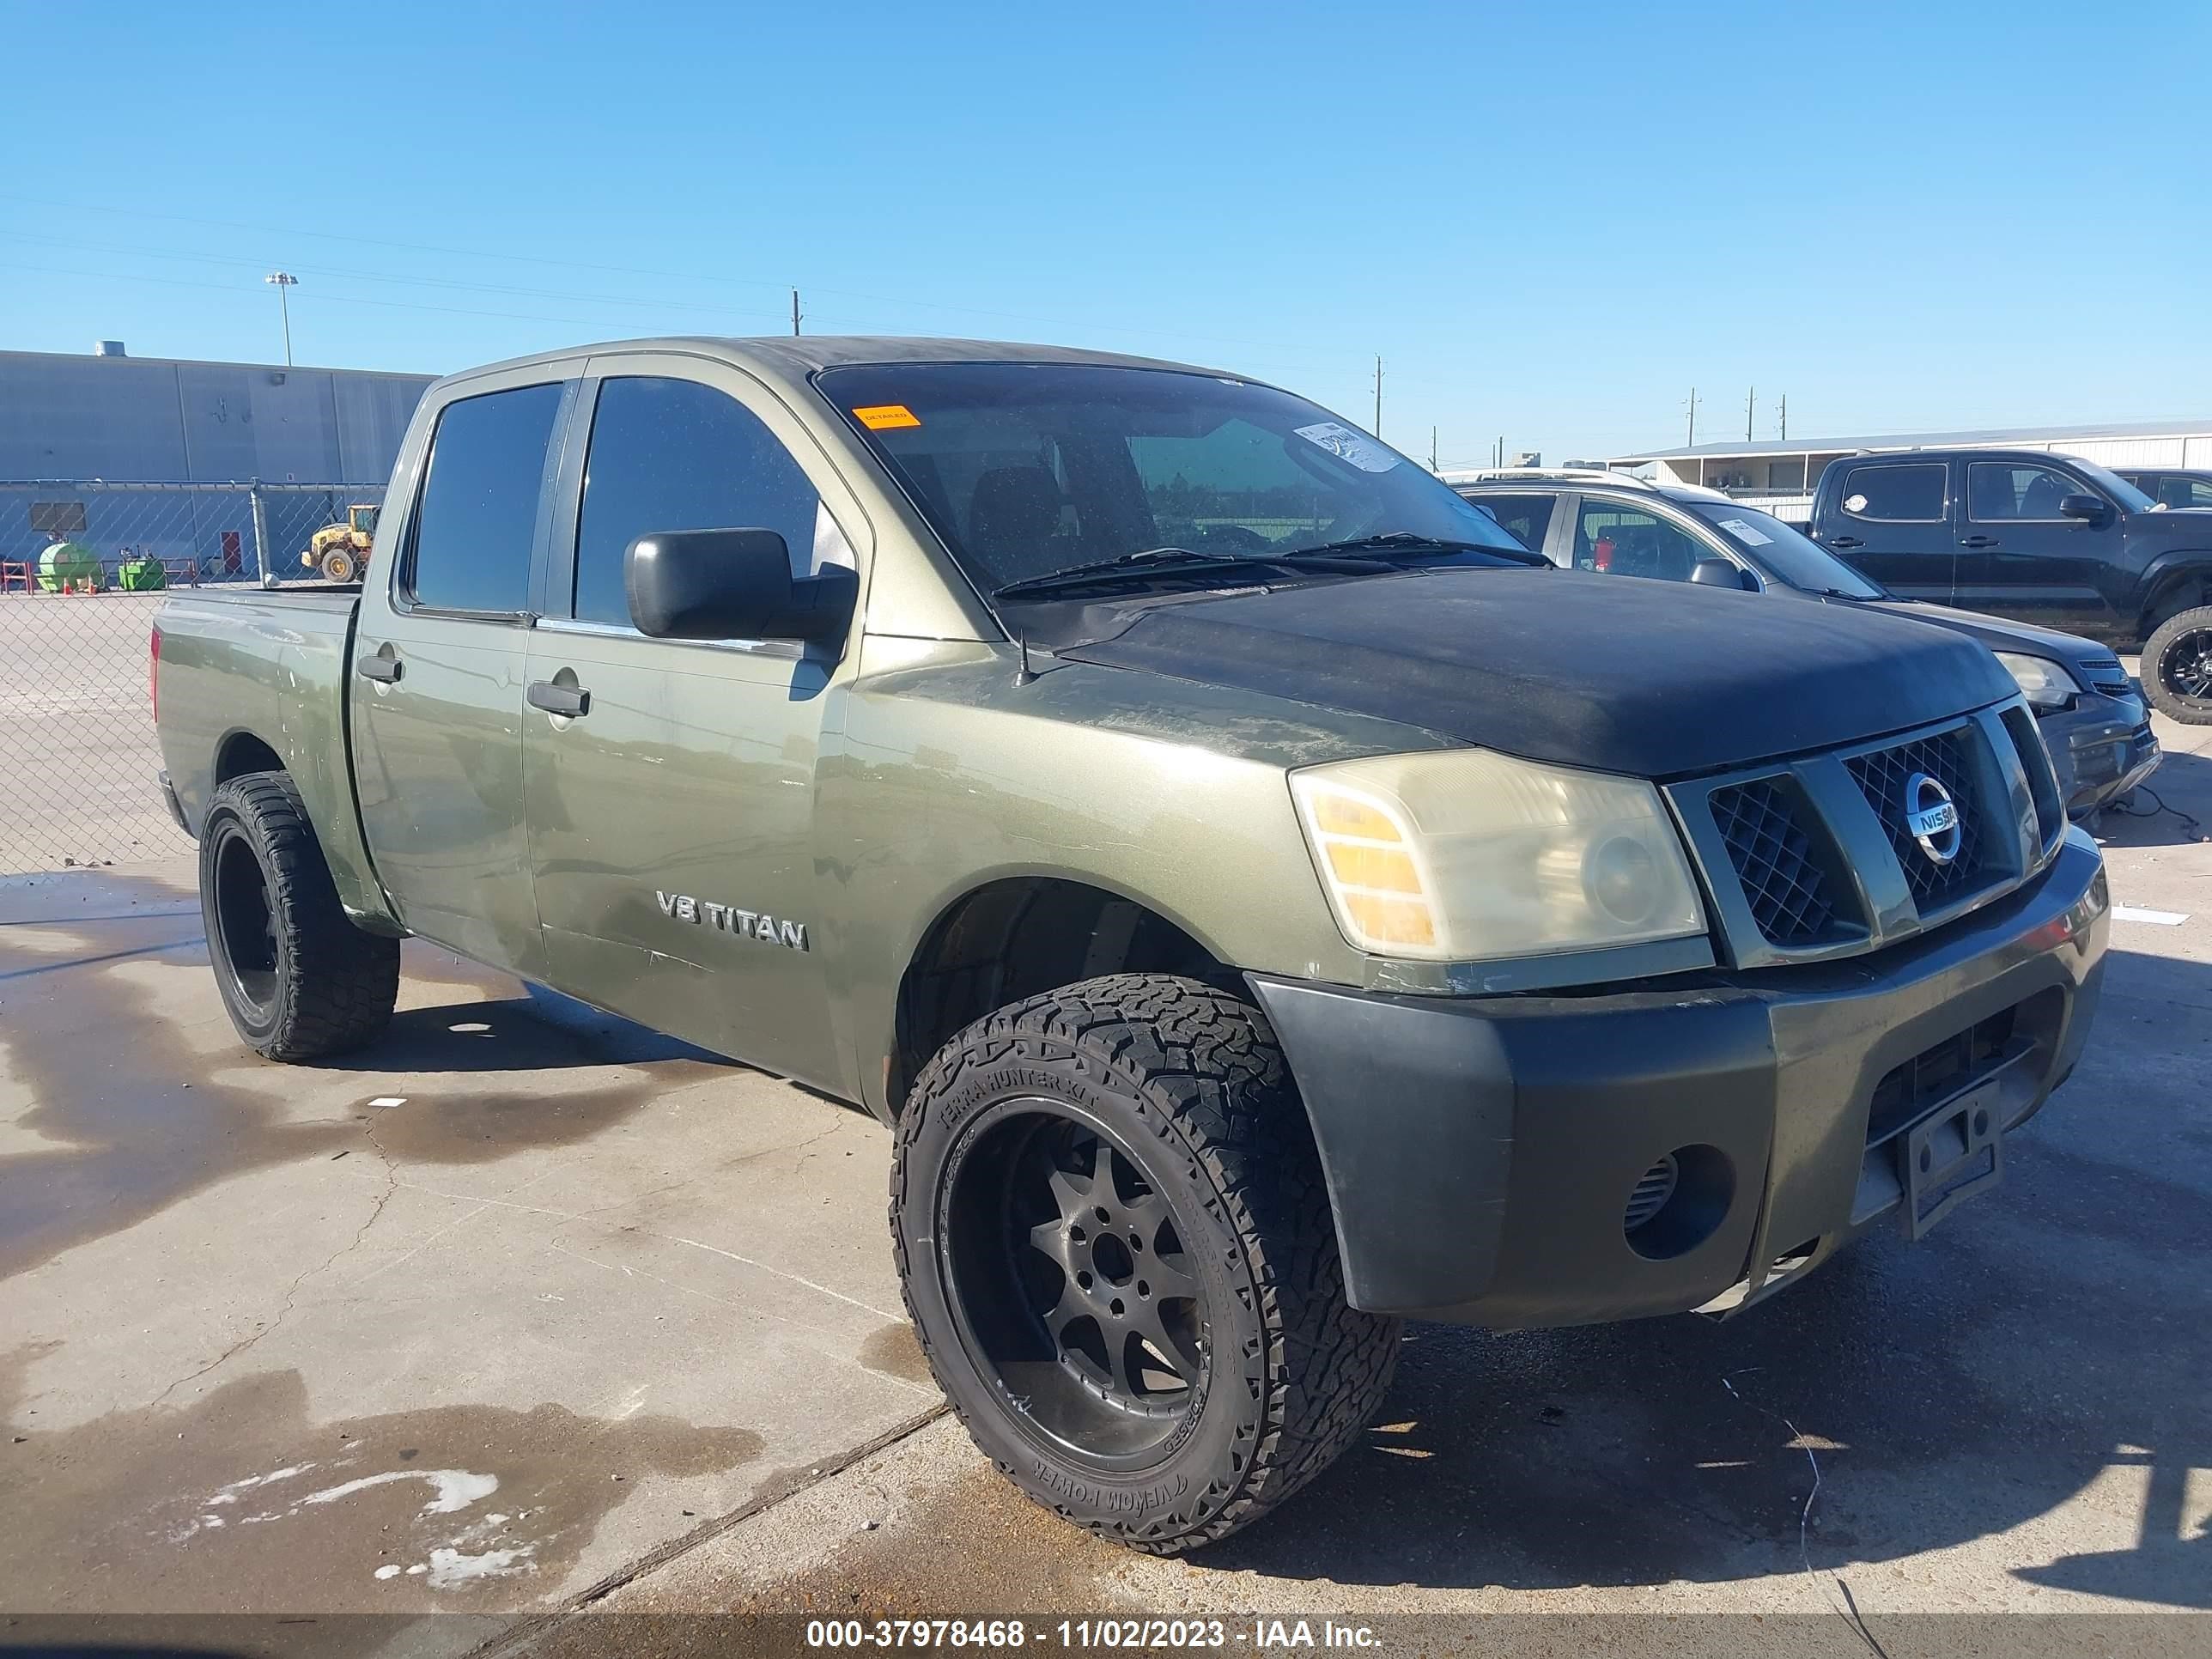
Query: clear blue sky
{"points": [[1550, 221]]}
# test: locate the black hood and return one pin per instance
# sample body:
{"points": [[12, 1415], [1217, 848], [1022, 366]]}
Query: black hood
{"points": [[1998, 633], [1644, 678]]}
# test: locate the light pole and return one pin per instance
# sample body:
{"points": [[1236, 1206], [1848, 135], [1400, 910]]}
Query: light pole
{"points": [[282, 280]]}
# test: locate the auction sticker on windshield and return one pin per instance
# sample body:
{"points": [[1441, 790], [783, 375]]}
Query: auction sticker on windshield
{"points": [[1341, 441], [1749, 536], [886, 417]]}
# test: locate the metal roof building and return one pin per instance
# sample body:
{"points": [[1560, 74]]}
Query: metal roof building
{"points": [[1781, 475], [139, 419]]}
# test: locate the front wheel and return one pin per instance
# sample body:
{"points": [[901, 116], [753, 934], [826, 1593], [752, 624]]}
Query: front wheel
{"points": [[298, 979], [2177, 668], [1117, 1247]]}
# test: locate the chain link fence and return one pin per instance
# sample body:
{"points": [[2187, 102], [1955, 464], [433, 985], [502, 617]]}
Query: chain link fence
{"points": [[83, 565]]}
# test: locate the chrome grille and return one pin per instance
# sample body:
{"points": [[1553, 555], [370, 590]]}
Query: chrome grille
{"points": [[1787, 890], [1882, 775], [1810, 858]]}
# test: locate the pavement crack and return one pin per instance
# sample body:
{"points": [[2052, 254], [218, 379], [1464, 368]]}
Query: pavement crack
{"points": [[292, 1292]]}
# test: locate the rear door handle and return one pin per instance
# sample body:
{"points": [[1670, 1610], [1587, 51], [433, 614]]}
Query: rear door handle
{"points": [[1845, 541], [385, 670], [1979, 541], [572, 701]]}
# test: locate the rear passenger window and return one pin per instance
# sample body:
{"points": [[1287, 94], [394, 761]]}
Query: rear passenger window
{"points": [[1528, 517], [478, 517], [1896, 494], [676, 455]]}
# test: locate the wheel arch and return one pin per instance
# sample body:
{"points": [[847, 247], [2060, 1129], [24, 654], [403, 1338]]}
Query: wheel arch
{"points": [[2177, 582], [241, 752], [1011, 935]]}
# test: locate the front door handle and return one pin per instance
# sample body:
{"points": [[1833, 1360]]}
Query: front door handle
{"points": [[1979, 541], [571, 701], [385, 670], [1845, 541]]}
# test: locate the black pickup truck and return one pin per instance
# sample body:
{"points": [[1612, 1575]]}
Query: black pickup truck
{"points": [[2043, 538]]}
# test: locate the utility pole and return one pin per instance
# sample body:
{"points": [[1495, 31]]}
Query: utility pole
{"points": [[1750, 403], [1785, 417], [283, 282], [1692, 441], [1378, 396], [794, 311], [1432, 450], [1497, 451]]}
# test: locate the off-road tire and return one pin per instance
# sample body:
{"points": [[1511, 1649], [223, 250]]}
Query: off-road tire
{"points": [[331, 985], [340, 566], [2177, 635], [1191, 1079]]}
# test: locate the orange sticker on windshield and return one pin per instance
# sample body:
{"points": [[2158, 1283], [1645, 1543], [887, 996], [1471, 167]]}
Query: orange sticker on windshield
{"points": [[885, 417]]}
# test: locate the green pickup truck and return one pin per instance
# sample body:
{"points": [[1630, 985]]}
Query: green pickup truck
{"points": [[1266, 901]]}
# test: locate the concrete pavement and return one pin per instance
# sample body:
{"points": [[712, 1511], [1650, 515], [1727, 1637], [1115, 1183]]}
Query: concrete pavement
{"points": [[525, 1306]]}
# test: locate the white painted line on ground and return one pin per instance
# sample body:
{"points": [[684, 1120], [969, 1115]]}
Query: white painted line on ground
{"points": [[2162, 918]]}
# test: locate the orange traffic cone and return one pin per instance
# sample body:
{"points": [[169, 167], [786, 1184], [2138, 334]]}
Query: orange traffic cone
{"points": [[69, 587]]}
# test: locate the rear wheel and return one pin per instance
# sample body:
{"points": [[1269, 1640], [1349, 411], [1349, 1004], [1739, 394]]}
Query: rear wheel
{"points": [[2177, 668], [298, 979], [1117, 1250], [339, 565]]}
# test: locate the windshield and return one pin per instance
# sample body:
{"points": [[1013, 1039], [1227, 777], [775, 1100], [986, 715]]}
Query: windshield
{"points": [[2131, 499], [1788, 555], [1025, 469]]}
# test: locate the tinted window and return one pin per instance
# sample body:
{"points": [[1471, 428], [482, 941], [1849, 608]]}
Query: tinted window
{"points": [[1899, 494], [1627, 542], [478, 518], [1784, 553], [1028, 468], [676, 455], [1997, 490], [2131, 499], [2173, 489], [1528, 517]]}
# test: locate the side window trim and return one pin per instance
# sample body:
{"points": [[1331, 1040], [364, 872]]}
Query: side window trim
{"points": [[402, 589], [556, 589]]}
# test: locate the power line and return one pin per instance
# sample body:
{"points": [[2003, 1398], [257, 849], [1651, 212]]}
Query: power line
{"points": [[637, 270]]}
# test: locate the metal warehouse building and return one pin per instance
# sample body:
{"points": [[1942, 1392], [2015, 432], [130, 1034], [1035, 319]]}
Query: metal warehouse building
{"points": [[1781, 476], [120, 420]]}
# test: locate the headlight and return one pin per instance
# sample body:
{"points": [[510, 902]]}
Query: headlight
{"points": [[1464, 856], [2045, 684]]}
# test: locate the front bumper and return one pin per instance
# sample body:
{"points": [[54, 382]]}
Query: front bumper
{"points": [[1480, 1152], [2100, 747]]}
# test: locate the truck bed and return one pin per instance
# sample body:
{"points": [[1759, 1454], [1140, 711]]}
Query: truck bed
{"points": [[249, 678]]}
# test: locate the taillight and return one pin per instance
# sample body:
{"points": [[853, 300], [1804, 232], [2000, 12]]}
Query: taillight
{"points": [[153, 672]]}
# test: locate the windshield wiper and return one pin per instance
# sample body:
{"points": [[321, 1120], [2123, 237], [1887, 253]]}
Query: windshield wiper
{"points": [[1405, 541], [1180, 560]]}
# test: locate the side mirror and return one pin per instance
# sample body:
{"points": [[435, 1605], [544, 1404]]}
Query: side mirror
{"points": [[731, 585], [2085, 506], [1719, 573]]}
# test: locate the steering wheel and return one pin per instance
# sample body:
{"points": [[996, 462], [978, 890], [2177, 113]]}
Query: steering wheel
{"points": [[1229, 537]]}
